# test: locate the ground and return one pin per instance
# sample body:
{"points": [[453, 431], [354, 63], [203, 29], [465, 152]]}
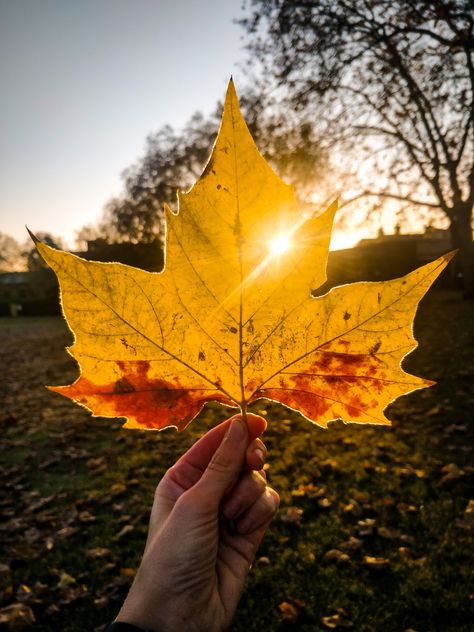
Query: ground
{"points": [[375, 528]]}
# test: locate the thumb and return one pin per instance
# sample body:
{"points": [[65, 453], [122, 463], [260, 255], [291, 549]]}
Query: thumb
{"points": [[225, 466]]}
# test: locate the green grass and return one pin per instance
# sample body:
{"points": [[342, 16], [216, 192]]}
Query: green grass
{"points": [[101, 478]]}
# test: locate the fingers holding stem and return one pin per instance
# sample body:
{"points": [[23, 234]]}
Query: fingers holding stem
{"points": [[250, 503]]}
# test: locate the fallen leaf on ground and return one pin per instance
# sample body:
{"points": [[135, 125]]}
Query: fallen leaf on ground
{"points": [[337, 557], [339, 620], [404, 552], [290, 610], [366, 528], [86, 517], [324, 503], [452, 473], [17, 616], [353, 508], [469, 511], [376, 563], [98, 552], [309, 491], [65, 580], [291, 515], [125, 531], [263, 561], [351, 545]]}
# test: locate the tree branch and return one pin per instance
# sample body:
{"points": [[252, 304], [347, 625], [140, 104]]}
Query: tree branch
{"points": [[393, 196]]}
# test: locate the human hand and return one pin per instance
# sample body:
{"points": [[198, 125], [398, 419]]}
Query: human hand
{"points": [[210, 512]]}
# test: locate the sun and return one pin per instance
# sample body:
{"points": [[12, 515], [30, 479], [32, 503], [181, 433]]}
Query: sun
{"points": [[280, 244]]}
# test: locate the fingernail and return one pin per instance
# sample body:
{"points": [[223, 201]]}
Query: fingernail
{"points": [[236, 431], [276, 501]]}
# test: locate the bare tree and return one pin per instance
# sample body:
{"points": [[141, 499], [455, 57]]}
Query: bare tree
{"points": [[393, 82]]}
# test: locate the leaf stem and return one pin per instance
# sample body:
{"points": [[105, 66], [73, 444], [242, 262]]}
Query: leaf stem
{"points": [[243, 410]]}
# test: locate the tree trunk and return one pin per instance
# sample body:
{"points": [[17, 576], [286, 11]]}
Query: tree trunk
{"points": [[461, 236]]}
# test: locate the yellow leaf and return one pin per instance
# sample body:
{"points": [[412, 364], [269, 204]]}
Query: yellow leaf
{"points": [[231, 317]]}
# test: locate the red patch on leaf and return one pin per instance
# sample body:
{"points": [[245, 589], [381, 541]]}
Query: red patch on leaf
{"points": [[150, 402], [328, 384]]}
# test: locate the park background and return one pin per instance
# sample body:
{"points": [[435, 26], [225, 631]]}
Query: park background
{"points": [[109, 108]]}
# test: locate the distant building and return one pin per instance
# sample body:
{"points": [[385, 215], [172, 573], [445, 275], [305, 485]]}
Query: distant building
{"points": [[390, 256], [37, 293], [147, 256], [382, 258], [29, 293]]}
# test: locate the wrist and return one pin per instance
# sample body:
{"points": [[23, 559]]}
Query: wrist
{"points": [[140, 615]]}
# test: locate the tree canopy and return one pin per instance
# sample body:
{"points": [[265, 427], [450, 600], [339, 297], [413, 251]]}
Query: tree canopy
{"points": [[11, 258], [392, 85]]}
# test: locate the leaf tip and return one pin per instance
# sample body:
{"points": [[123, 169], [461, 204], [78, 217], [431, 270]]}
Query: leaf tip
{"points": [[450, 255], [332, 209], [32, 235], [231, 94]]}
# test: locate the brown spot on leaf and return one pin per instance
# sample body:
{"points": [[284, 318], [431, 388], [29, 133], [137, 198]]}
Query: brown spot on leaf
{"points": [[352, 360], [354, 406], [347, 315], [127, 346], [325, 361], [135, 367], [373, 350], [123, 386]]}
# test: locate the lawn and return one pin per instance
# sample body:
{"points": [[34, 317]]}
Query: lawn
{"points": [[375, 530]]}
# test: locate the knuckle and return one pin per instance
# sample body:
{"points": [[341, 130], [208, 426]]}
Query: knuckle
{"points": [[250, 488], [254, 485]]}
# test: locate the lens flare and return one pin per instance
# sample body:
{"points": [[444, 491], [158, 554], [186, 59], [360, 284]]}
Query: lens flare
{"points": [[280, 244]]}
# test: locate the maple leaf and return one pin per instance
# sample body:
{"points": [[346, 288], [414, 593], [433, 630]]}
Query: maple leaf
{"points": [[231, 318]]}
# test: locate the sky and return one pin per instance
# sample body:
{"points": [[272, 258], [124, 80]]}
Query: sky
{"points": [[84, 82]]}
